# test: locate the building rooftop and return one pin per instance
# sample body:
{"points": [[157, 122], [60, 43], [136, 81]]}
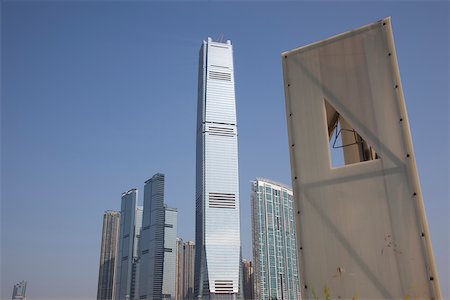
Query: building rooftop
{"points": [[274, 183]]}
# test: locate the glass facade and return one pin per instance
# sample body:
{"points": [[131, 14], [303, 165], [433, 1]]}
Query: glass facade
{"points": [[274, 241], [170, 254], [130, 223], [217, 258], [157, 250], [19, 291]]}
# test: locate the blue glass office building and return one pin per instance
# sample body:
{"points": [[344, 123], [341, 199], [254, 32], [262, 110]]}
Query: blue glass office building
{"points": [[157, 265], [130, 227]]}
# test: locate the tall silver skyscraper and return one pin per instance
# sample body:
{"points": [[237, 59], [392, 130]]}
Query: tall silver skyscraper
{"points": [[217, 180], [274, 242], [108, 253], [158, 244], [19, 291], [130, 224]]}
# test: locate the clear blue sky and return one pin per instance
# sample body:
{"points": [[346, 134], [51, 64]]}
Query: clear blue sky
{"points": [[96, 97]]}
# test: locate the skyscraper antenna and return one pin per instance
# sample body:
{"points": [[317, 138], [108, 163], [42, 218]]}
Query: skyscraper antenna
{"points": [[220, 39]]}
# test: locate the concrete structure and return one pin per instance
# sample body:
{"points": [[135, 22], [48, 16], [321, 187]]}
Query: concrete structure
{"points": [[157, 265], [130, 223], [248, 282], [362, 227], [108, 255], [19, 291], [274, 242], [179, 269], [217, 179], [185, 269], [188, 269]]}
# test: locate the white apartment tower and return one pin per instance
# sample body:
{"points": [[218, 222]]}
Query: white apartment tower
{"points": [[217, 180], [275, 258]]}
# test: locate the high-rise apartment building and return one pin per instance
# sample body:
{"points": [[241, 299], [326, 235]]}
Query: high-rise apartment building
{"points": [[108, 253], [19, 290], [158, 244], [185, 269], [179, 269], [188, 269], [274, 242], [248, 288], [217, 179], [130, 223]]}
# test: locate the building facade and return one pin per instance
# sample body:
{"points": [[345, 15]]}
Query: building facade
{"points": [[217, 179], [248, 288], [274, 242], [179, 269], [130, 223], [108, 254], [19, 291], [170, 254], [136, 258], [185, 269], [188, 269], [158, 244]]}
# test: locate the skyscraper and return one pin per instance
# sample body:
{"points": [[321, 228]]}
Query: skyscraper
{"points": [[170, 254], [158, 244], [274, 242], [217, 180], [108, 253], [185, 269], [188, 269], [19, 291], [248, 287], [130, 223], [179, 269], [136, 258]]}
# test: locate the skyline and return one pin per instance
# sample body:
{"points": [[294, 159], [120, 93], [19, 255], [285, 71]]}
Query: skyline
{"points": [[48, 145]]}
